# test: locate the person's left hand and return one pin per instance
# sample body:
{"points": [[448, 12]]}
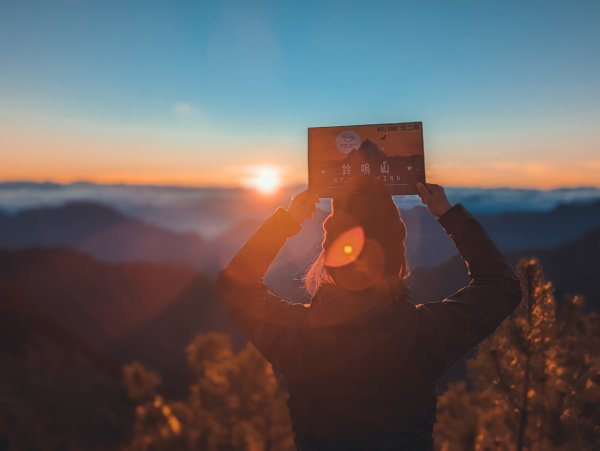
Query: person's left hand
{"points": [[303, 206]]}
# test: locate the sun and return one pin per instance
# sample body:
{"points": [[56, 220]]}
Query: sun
{"points": [[265, 179]]}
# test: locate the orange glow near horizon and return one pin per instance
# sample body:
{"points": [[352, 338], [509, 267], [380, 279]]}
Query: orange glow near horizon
{"points": [[50, 154], [268, 185], [265, 179]]}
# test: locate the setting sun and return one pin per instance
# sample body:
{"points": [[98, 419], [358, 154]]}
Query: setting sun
{"points": [[265, 179]]}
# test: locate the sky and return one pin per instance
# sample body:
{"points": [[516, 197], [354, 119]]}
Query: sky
{"points": [[204, 93]]}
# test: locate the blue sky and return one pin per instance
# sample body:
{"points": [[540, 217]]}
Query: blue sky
{"points": [[498, 85]]}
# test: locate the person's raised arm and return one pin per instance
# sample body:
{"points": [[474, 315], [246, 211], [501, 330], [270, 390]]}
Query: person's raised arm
{"points": [[252, 261], [261, 315], [459, 322]]}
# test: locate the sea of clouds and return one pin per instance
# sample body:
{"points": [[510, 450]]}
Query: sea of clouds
{"points": [[211, 210]]}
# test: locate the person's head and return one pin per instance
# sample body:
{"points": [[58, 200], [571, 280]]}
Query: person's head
{"points": [[363, 245]]}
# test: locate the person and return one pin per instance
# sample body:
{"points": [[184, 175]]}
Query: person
{"points": [[361, 361]]}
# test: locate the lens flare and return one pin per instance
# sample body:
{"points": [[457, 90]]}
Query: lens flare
{"points": [[345, 248]]}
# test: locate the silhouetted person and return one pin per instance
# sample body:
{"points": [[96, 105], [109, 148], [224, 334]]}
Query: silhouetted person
{"points": [[361, 361]]}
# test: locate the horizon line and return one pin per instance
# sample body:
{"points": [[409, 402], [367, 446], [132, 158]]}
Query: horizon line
{"points": [[292, 186]]}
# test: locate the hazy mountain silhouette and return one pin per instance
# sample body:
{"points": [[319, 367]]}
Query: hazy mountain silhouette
{"points": [[573, 268], [98, 301], [205, 208], [227, 243], [520, 230], [111, 236], [130, 311], [427, 243], [160, 341], [104, 233], [53, 387]]}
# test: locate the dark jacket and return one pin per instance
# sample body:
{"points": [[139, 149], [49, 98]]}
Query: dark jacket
{"points": [[361, 369]]}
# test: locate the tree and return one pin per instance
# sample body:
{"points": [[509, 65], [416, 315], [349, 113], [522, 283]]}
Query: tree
{"points": [[536, 379], [235, 403]]}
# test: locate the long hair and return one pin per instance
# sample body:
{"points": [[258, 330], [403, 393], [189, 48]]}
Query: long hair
{"points": [[365, 203], [317, 276]]}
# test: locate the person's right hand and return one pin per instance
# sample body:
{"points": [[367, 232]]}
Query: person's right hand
{"points": [[434, 197], [303, 206]]}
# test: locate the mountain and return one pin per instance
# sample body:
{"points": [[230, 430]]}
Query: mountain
{"points": [[572, 268], [98, 301], [207, 211], [427, 244], [55, 391], [227, 243], [528, 230], [112, 236], [210, 210], [104, 233], [130, 311], [160, 342]]}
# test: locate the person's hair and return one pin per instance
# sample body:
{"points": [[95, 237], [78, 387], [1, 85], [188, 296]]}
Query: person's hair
{"points": [[317, 275], [365, 202]]}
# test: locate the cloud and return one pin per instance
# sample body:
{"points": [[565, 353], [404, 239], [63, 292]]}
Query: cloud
{"points": [[183, 108]]}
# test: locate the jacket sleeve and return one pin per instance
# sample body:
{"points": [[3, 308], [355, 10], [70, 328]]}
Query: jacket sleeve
{"points": [[270, 323], [451, 327]]}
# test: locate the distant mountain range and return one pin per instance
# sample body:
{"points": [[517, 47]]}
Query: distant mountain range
{"points": [[103, 232], [134, 311], [527, 230], [211, 211], [100, 302], [112, 236], [573, 268], [207, 211]]}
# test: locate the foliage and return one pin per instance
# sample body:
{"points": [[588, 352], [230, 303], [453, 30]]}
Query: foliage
{"points": [[536, 379], [235, 403], [140, 383]]}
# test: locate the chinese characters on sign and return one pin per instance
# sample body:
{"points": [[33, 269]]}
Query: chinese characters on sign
{"points": [[392, 153]]}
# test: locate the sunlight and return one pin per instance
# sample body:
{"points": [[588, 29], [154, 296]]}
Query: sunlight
{"points": [[265, 179]]}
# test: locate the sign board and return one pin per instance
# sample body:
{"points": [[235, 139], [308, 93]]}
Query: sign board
{"points": [[392, 153]]}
